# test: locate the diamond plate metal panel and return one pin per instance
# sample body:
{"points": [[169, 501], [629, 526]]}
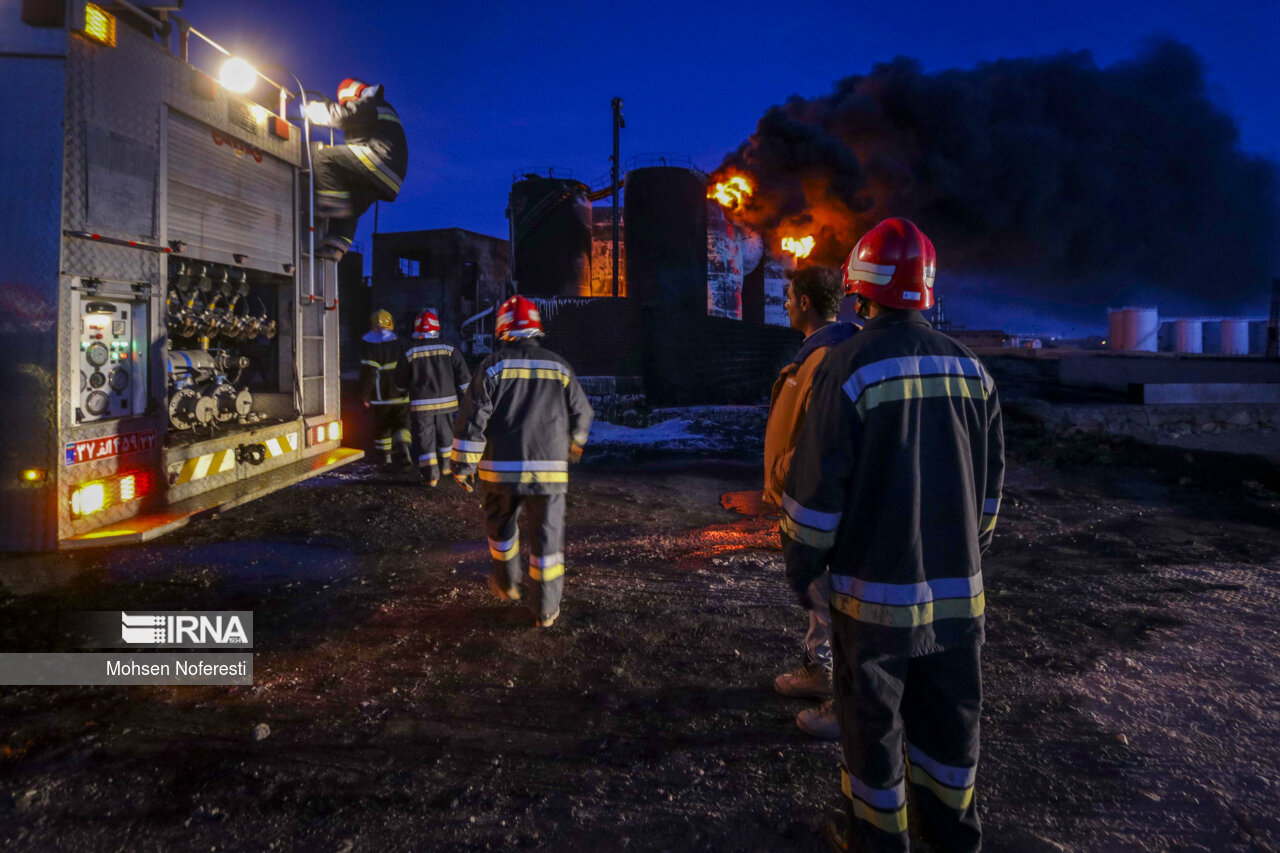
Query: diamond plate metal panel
{"points": [[117, 90]]}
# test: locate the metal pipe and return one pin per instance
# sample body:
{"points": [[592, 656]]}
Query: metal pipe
{"points": [[159, 25], [618, 123]]}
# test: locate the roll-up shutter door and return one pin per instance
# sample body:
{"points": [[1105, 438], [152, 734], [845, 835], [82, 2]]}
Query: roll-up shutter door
{"points": [[227, 197]]}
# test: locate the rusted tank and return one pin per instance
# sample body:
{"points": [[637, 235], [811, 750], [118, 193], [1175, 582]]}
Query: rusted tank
{"points": [[551, 224]]}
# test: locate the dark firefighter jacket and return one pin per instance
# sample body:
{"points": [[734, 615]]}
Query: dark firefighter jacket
{"points": [[380, 353], [435, 375], [895, 485], [517, 420], [373, 133]]}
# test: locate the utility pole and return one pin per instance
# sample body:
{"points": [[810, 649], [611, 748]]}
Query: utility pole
{"points": [[615, 175]]}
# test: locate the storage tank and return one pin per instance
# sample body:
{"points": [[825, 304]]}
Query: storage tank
{"points": [[602, 252], [778, 270], [1116, 329], [733, 252], [666, 233], [1235, 337], [551, 224], [1134, 329], [1188, 336]]}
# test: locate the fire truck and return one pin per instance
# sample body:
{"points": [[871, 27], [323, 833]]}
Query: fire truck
{"points": [[170, 342]]}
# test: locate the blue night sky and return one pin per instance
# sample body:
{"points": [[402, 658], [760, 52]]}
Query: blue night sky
{"points": [[486, 89]]}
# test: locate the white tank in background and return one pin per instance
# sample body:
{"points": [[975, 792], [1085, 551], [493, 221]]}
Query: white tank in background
{"points": [[1134, 329], [1235, 337], [1188, 336]]}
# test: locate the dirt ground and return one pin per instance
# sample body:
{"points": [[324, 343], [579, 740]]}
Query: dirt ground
{"points": [[1131, 671]]}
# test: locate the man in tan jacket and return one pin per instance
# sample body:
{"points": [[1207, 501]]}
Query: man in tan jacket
{"points": [[813, 300]]}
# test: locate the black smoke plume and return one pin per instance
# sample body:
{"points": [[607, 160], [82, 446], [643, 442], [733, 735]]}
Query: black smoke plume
{"points": [[1048, 182]]}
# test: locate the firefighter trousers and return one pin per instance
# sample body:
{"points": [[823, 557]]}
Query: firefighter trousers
{"points": [[343, 193], [927, 707], [546, 551], [432, 441], [389, 426]]}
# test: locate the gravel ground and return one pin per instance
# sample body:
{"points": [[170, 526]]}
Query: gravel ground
{"points": [[1130, 669]]}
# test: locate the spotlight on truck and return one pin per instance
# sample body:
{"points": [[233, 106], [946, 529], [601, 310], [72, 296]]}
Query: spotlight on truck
{"points": [[237, 75]]}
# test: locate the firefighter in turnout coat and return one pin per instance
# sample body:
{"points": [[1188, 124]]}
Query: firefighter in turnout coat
{"points": [[895, 486], [523, 420], [369, 167], [436, 377], [380, 355]]}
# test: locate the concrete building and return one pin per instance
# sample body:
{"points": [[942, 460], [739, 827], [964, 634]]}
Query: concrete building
{"points": [[454, 272]]}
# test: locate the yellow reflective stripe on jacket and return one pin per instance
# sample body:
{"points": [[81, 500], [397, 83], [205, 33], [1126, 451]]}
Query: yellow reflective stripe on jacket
{"points": [[388, 114], [424, 352], [919, 387], [535, 373], [435, 404], [821, 539], [909, 615], [374, 164]]}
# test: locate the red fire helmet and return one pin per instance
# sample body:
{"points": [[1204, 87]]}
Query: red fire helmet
{"points": [[427, 325], [518, 318], [893, 265], [350, 89]]}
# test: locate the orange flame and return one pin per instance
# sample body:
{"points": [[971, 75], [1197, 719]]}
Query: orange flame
{"points": [[732, 193], [800, 248]]}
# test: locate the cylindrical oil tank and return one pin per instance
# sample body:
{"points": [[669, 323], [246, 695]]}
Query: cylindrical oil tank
{"points": [[602, 252], [778, 270], [733, 252], [1235, 337], [1116, 339], [1134, 329], [666, 227], [1188, 336], [551, 223], [1144, 329]]}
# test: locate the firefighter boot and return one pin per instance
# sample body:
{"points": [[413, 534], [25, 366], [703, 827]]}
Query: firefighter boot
{"points": [[510, 593], [810, 681], [549, 620], [820, 722]]}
